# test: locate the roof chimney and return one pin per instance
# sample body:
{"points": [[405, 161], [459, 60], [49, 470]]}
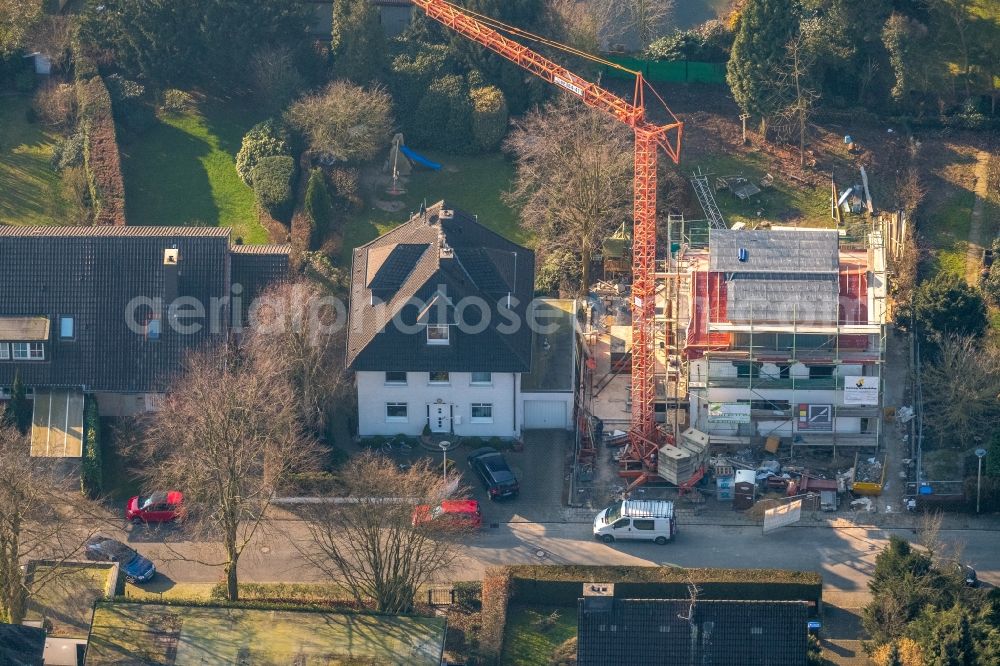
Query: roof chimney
{"points": [[445, 251]]}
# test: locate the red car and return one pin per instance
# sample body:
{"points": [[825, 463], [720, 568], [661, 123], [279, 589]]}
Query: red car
{"points": [[158, 507], [460, 513]]}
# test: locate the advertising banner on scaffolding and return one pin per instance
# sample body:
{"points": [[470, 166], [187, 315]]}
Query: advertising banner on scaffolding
{"points": [[783, 515], [728, 412], [860, 390]]}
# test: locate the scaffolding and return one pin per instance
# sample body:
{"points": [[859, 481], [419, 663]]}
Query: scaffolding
{"points": [[755, 360]]}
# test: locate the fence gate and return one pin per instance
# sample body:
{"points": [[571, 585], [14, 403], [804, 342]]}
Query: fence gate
{"points": [[440, 596]]}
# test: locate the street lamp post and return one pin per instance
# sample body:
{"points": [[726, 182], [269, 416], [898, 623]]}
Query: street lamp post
{"points": [[980, 454], [444, 465]]}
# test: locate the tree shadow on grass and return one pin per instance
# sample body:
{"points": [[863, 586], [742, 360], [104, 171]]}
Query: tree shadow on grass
{"points": [[165, 180]]}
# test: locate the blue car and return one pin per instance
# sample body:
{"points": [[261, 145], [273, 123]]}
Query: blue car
{"points": [[137, 569]]}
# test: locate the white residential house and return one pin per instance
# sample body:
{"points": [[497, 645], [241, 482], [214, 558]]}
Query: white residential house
{"points": [[439, 333]]}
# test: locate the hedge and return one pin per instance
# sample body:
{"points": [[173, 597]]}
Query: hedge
{"points": [[563, 585], [91, 474], [496, 595], [101, 160]]}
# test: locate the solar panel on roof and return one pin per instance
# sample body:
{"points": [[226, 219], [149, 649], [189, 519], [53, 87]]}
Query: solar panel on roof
{"points": [[397, 267], [483, 270]]}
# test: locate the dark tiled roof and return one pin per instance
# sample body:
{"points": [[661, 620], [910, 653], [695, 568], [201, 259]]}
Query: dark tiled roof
{"points": [[118, 232], [254, 270], [439, 261], [21, 645], [92, 274], [659, 631]]}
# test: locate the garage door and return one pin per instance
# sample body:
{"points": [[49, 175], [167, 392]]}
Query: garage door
{"points": [[544, 414]]}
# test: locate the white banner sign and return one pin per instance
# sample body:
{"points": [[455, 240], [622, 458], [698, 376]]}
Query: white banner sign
{"points": [[860, 390], [783, 515], [728, 412], [568, 85]]}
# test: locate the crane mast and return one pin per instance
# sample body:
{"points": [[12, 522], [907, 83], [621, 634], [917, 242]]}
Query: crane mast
{"points": [[642, 449]]}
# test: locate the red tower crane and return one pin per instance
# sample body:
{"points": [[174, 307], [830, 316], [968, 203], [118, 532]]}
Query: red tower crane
{"points": [[640, 458]]}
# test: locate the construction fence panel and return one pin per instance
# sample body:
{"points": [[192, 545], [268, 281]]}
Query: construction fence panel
{"points": [[668, 71]]}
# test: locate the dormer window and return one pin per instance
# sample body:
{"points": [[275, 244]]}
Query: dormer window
{"points": [[28, 351], [437, 334]]}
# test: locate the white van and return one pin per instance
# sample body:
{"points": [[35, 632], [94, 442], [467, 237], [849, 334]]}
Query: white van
{"points": [[643, 520]]}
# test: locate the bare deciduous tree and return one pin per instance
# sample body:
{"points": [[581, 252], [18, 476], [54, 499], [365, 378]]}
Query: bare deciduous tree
{"points": [[344, 121], [646, 19], [227, 435], [574, 175], [275, 78], [961, 390], [298, 332], [796, 98], [370, 543], [41, 516]]}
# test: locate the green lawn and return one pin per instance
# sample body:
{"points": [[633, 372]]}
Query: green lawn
{"points": [[67, 598], [150, 633], [526, 642], [783, 203], [947, 230], [472, 183], [183, 171], [30, 189]]}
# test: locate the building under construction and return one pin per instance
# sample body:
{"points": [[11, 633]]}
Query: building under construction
{"points": [[772, 336]]}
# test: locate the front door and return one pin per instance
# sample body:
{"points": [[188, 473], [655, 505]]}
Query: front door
{"points": [[440, 417]]}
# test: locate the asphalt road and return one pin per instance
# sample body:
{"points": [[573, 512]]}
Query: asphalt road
{"points": [[843, 556]]}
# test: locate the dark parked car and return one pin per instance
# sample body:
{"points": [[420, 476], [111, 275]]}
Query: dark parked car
{"points": [[490, 466], [137, 569]]}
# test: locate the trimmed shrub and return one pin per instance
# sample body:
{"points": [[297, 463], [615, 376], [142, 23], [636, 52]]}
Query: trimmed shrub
{"points": [[100, 152], [489, 117], [176, 101], [91, 473], [319, 206], [443, 118], [68, 152], [273, 182], [265, 139]]}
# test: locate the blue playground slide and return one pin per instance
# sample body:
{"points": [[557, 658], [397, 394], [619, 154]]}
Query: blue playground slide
{"points": [[420, 159]]}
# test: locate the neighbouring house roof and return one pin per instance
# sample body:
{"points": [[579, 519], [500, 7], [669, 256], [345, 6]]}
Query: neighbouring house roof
{"points": [[675, 631], [21, 645], [775, 250], [95, 275], [24, 329], [421, 273]]}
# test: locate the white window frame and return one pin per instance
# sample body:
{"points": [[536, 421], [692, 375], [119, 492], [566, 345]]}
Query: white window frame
{"points": [[436, 340], [63, 321], [30, 351], [395, 382], [4, 351], [439, 382], [474, 382], [480, 419], [397, 419]]}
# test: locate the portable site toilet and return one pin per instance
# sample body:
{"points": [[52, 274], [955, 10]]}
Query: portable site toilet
{"points": [[744, 489]]}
